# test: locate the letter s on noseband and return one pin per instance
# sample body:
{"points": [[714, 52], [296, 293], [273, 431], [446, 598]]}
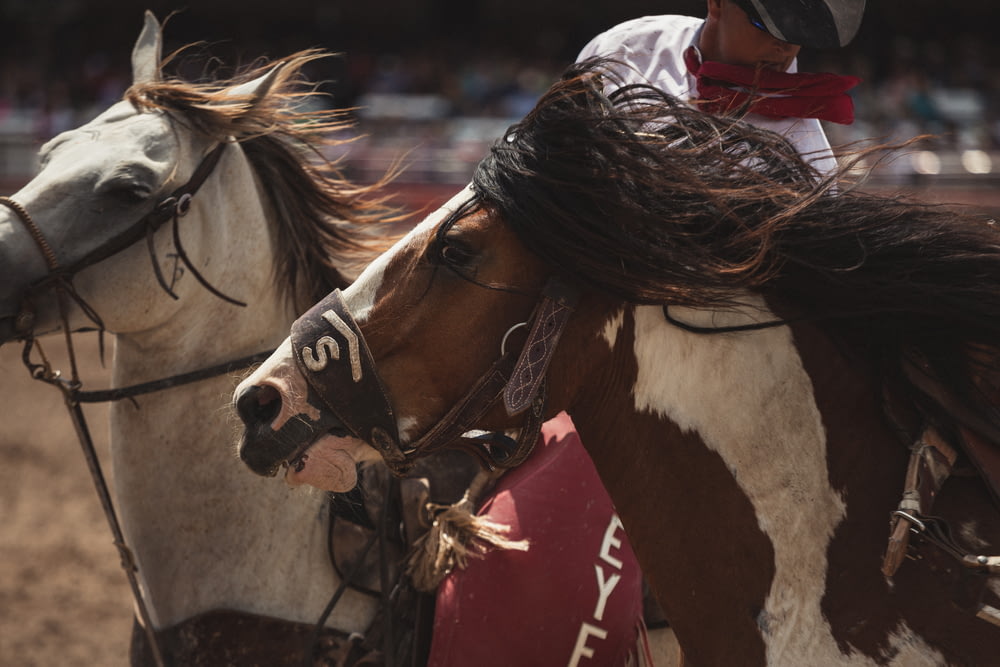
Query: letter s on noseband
{"points": [[353, 348], [326, 347]]}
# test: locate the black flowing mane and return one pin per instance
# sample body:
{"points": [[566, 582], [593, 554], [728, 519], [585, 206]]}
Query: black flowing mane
{"points": [[640, 196]]}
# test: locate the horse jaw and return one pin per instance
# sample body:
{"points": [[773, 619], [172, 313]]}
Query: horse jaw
{"points": [[330, 464]]}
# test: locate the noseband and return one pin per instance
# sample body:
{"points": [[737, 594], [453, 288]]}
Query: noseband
{"points": [[331, 353]]}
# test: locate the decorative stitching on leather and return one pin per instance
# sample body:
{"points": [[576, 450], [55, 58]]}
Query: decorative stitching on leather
{"points": [[535, 356]]}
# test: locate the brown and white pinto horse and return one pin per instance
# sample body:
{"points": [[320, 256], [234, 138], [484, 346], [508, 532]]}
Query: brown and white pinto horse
{"points": [[754, 436]]}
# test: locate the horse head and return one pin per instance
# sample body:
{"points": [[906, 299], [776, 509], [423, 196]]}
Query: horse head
{"points": [[491, 287], [192, 220], [361, 333], [112, 193]]}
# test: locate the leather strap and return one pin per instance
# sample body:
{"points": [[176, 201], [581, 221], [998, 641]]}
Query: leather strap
{"points": [[550, 321], [931, 461], [980, 435], [333, 356], [176, 203]]}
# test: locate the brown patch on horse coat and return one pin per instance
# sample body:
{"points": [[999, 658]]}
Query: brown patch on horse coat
{"points": [[677, 532], [867, 463]]}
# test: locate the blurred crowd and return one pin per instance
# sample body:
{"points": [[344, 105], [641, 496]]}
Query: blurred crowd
{"points": [[442, 105], [946, 88]]}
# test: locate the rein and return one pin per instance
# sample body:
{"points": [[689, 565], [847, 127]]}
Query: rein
{"points": [[353, 391], [174, 206]]}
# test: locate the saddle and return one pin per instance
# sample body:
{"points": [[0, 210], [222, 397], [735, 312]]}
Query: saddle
{"points": [[975, 439]]}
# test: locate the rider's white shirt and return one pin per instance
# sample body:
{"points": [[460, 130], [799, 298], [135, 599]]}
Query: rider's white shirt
{"points": [[653, 46]]}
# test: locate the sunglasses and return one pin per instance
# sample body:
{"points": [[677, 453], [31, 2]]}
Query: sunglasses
{"points": [[752, 14]]}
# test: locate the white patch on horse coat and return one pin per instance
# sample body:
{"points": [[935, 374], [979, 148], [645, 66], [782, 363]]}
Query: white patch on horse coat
{"points": [[906, 648], [360, 296], [750, 400], [407, 429], [612, 327]]}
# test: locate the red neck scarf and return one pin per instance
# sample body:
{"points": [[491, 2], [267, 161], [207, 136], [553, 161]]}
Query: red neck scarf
{"points": [[724, 88]]}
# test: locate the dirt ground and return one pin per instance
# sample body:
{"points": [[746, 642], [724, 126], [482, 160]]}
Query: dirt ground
{"points": [[64, 599]]}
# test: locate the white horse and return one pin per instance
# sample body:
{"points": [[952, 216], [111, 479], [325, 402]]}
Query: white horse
{"points": [[206, 534]]}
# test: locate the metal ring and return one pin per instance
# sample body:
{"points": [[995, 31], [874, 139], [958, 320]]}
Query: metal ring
{"points": [[503, 342], [912, 519], [183, 204]]}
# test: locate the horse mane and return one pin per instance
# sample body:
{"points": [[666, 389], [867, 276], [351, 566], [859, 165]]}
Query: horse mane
{"points": [[639, 196], [325, 222]]}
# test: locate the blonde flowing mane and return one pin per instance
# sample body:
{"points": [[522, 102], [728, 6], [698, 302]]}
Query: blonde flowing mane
{"points": [[324, 222]]}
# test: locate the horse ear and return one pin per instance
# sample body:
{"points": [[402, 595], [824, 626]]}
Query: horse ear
{"points": [[147, 50], [258, 88]]}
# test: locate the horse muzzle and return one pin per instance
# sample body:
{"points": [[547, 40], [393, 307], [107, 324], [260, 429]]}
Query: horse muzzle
{"points": [[332, 355], [264, 449]]}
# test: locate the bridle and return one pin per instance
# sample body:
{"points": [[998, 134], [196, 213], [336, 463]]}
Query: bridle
{"points": [[352, 389], [171, 207], [60, 278]]}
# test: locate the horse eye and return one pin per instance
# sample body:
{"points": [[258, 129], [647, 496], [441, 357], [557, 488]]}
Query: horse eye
{"points": [[127, 184], [125, 191], [455, 254]]}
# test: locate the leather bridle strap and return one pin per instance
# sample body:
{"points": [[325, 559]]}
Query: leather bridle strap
{"points": [[131, 391], [176, 204], [36, 233], [520, 380], [332, 355], [172, 207], [494, 450]]}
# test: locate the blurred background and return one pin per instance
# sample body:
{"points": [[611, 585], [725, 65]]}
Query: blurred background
{"points": [[437, 80], [434, 82]]}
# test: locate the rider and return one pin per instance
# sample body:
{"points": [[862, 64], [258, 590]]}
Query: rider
{"points": [[745, 45]]}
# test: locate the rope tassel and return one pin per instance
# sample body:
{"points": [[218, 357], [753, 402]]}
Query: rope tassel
{"points": [[456, 534]]}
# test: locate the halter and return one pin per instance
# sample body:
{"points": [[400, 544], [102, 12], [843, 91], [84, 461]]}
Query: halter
{"points": [[352, 389], [172, 207]]}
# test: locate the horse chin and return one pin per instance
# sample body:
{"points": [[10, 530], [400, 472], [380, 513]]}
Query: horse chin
{"points": [[329, 464]]}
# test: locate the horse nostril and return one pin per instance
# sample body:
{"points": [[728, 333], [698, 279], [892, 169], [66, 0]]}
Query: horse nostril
{"points": [[258, 405]]}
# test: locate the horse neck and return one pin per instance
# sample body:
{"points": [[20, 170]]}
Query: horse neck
{"points": [[207, 533], [722, 480]]}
